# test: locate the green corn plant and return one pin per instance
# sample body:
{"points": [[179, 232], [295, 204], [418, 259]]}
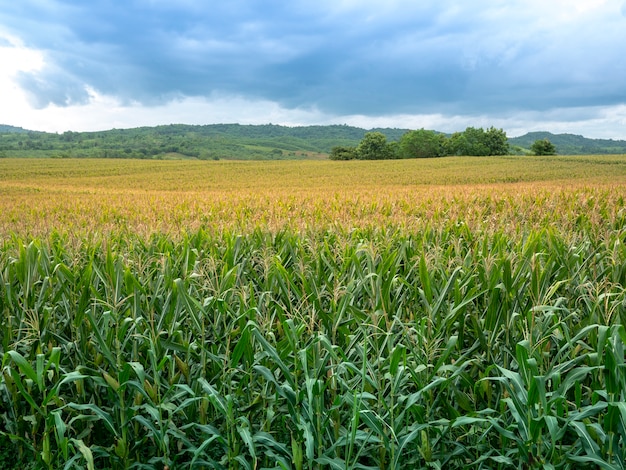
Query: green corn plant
{"points": [[461, 346]]}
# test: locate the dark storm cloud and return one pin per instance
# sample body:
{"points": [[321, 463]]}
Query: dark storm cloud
{"points": [[343, 57]]}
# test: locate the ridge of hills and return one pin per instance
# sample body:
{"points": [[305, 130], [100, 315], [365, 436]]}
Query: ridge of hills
{"points": [[5, 129], [571, 144], [238, 141]]}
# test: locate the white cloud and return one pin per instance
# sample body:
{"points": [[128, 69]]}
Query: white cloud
{"points": [[106, 112], [15, 59], [16, 56], [598, 122], [531, 65]]}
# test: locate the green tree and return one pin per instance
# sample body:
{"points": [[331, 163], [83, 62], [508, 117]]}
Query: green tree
{"points": [[341, 152], [422, 144], [374, 146], [543, 147], [459, 144], [394, 149], [478, 142], [496, 141]]}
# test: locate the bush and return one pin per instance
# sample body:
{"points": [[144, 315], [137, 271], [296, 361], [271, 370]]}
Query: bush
{"points": [[374, 146], [543, 147], [342, 153]]}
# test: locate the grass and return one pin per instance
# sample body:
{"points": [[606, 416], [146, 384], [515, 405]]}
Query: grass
{"points": [[357, 316]]}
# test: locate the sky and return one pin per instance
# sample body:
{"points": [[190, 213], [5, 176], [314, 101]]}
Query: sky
{"points": [[553, 65]]}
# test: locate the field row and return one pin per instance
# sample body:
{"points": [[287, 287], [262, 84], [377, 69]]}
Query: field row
{"points": [[512, 194], [371, 350], [103, 174]]}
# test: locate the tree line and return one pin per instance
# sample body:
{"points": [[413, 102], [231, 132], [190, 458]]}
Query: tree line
{"points": [[423, 143], [235, 141], [213, 141]]}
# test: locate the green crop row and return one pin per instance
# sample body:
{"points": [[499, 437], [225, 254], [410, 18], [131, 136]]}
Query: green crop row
{"points": [[335, 350]]}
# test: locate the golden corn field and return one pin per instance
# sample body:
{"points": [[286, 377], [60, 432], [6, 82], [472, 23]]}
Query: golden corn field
{"points": [[93, 198], [441, 313]]}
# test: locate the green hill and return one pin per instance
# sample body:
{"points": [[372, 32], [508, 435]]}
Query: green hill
{"points": [[5, 129], [571, 144], [236, 141], [229, 141]]}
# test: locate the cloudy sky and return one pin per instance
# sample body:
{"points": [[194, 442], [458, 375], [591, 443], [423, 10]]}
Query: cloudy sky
{"points": [[522, 65]]}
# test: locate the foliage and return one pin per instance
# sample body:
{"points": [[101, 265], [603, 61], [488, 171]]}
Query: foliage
{"points": [[374, 146], [478, 142], [497, 141], [305, 315], [543, 147], [393, 149], [234, 141], [342, 153], [366, 349], [427, 144], [422, 144], [10, 129], [218, 141], [570, 144]]}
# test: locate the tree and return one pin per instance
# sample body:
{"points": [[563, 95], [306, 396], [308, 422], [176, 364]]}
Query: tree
{"points": [[466, 143], [497, 142], [374, 146], [341, 152], [422, 144], [543, 147], [393, 148], [478, 142]]}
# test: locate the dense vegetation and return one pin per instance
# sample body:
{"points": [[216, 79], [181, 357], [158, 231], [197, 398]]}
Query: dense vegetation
{"points": [[219, 141], [379, 349], [83, 197], [5, 129], [441, 313], [570, 144], [426, 144], [266, 142]]}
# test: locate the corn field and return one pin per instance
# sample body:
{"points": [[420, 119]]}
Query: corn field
{"points": [[370, 350], [440, 345]]}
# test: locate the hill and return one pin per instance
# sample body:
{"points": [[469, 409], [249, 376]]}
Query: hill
{"points": [[5, 129], [236, 141], [216, 141], [571, 144]]}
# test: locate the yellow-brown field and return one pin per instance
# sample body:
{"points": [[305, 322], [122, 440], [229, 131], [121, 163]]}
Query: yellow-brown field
{"points": [[95, 197]]}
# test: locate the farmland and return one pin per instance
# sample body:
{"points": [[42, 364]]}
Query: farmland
{"points": [[440, 313], [93, 197], [239, 142]]}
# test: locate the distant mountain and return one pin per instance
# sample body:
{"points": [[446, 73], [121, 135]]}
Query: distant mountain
{"points": [[571, 144], [5, 129]]}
